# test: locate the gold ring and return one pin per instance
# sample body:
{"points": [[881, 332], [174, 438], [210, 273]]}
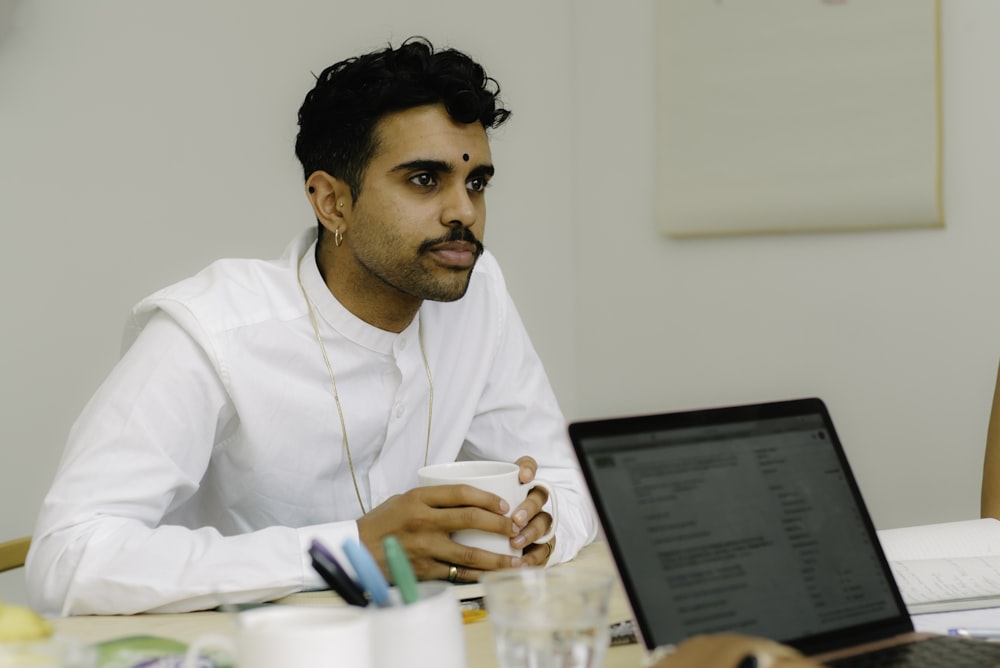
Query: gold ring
{"points": [[452, 573]]}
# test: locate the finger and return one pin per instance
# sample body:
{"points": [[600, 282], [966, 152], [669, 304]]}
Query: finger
{"points": [[461, 575], [454, 496], [438, 553], [728, 649], [460, 507], [528, 469], [471, 558], [535, 529], [538, 555], [773, 659], [530, 507], [766, 653], [464, 518]]}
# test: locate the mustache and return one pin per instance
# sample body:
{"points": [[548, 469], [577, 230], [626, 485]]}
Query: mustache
{"points": [[456, 234]]}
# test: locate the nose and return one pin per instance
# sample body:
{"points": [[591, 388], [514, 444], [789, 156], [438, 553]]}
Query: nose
{"points": [[459, 210]]}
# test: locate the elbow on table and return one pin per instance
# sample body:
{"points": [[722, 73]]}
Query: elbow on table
{"points": [[48, 574]]}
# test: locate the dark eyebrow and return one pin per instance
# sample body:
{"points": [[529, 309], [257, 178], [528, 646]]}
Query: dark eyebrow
{"points": [[482, 170], [441, 167]]}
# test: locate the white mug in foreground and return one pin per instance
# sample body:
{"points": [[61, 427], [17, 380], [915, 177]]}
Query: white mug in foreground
{"points": [[292, 637], [500, 478]]}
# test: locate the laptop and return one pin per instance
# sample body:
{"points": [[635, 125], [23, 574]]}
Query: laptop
{"points": [[747, 519]]}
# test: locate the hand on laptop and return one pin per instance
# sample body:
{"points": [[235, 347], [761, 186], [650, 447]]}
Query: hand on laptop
{"points": [[727, 650]]}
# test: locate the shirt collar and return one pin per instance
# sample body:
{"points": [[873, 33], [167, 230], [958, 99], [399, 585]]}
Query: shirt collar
{"points": [[330, 312]]}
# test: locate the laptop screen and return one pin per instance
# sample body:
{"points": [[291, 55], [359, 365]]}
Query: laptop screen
{"points": [[742, 519]]}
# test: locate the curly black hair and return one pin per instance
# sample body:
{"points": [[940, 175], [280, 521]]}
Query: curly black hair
{"points": [[338, 117]]}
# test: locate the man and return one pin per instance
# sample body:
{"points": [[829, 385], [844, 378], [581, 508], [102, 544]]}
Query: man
{"points": [[261, 404]]}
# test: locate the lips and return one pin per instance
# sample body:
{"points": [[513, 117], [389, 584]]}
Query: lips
{"points": [[460, 254]]}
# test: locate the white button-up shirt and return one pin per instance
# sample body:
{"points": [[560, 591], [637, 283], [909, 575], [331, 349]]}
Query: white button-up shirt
{"points": [[213, 453]]}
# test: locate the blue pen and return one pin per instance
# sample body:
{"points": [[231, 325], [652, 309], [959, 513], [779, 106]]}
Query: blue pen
{"points": [[369, 574]]}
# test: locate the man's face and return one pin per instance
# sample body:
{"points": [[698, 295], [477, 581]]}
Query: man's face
{"points": [[417, 225]]}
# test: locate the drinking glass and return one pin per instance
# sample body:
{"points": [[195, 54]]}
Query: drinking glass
{"points": [[548, 618]]}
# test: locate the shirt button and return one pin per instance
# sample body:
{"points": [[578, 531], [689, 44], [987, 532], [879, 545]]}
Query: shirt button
{"points": [[399, 410]]}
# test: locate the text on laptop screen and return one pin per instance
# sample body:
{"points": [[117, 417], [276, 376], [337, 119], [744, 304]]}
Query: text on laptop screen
{"points": [[749, 527]]}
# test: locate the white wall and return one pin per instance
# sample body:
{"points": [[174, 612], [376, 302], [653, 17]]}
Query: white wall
{"points": [[897, 331], [139, 140]]}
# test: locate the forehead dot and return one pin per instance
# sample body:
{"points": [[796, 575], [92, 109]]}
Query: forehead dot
{"points": [[465, 156]]}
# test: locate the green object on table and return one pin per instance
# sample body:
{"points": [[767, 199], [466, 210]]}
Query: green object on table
{"points": [[401, 570], [143, 651]]}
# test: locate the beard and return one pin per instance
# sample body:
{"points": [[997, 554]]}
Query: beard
{"points": [[454, 287], [414, 277]]}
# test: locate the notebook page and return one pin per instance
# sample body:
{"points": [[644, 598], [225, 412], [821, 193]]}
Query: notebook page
{"points": [[966, 538]]}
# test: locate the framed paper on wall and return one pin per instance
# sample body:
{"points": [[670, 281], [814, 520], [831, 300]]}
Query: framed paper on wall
{"points": [[798, 116]]}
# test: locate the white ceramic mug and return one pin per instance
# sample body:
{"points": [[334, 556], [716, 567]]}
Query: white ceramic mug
{"points": [[293, 637], [500, 478]]}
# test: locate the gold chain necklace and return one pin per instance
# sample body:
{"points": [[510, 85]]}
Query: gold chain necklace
{"points": [[336, 395]]}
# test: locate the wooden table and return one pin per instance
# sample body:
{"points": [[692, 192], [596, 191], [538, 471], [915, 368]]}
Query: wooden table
{"points": [[478, 635]]}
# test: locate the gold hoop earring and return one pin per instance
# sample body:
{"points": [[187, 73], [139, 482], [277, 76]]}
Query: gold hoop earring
{"points": [[338, 237]]}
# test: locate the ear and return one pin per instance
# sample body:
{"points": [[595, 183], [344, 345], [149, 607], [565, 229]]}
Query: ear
{"points": [[330, 198]]}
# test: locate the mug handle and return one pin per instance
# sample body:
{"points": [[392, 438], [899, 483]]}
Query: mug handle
{"points": [[553, 503], [192, 657]]}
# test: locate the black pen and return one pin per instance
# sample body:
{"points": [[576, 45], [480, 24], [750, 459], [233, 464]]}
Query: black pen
{"points": [[334, 574]]}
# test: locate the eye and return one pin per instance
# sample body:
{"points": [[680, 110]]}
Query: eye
{"points": [[424, 180], [477, 184]]}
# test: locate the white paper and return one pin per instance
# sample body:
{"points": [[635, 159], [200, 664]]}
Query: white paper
{"points": [[966, 538], [947, 566]]}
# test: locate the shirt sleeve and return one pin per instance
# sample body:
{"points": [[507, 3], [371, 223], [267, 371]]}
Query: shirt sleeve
{"points": [[138, 451], [518, 415]]}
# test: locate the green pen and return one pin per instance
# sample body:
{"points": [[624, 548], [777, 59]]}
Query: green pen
{"points": [[401, 570]]}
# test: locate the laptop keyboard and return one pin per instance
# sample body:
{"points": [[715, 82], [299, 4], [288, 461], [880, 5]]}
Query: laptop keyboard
{"points": [[936, 652]]}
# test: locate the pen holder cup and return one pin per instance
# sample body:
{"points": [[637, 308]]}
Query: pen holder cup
{"points": [[428, 632]]}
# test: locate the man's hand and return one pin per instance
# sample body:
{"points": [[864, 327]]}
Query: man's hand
{"points": [[422, 520], [729, 650], [530, 521]]}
